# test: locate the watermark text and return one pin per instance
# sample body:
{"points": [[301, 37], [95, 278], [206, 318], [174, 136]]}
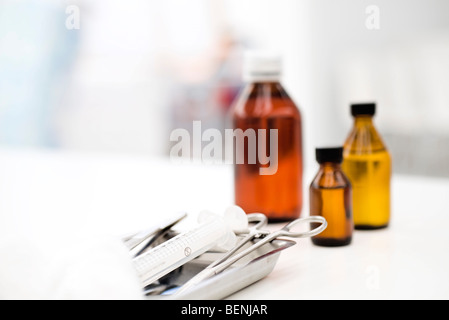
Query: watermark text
{"points": [[191, 147]]}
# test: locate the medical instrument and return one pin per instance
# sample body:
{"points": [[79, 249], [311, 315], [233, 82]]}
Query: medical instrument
{"points": [[184, 247], [285, 231], [248, 270], [260, 221], [137, 243]]}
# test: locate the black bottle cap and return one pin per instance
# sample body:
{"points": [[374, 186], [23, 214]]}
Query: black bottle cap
{"points": [[363, 109], [329, 154]]}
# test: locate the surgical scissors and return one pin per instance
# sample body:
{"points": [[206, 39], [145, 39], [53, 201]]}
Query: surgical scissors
{"points": [[268, 237]]}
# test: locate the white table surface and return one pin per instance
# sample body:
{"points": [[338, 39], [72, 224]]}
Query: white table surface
{"points": [[47, 196]]}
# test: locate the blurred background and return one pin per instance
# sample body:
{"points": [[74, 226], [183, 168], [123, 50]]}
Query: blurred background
{"points": [[108, 77]]}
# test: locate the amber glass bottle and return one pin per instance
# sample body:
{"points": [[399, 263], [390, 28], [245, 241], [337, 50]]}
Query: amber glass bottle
{"points": [[264, 106], [367, 164], [330, 197]]}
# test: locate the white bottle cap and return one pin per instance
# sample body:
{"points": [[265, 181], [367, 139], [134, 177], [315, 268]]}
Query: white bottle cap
{"points": [[262, 66]]}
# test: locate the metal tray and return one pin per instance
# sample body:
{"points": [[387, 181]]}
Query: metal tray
{"points": [[243, 273]]}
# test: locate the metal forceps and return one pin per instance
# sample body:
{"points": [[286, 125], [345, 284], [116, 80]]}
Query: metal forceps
{"points": [[268, 237]]}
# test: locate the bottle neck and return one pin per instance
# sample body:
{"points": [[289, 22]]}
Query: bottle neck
{"points": [[363, 121], [330, 166], [271, 86]]}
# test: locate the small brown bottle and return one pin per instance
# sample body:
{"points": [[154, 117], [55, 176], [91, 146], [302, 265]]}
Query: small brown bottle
{"points": [[265, 108], [330, 197]]}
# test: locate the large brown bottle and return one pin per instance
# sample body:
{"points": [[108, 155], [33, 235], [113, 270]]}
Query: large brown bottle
{"points": [[265, 110]]}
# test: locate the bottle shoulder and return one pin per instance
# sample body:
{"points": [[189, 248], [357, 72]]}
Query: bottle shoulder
{"points": [[264, 99], [330, 179], [364, 139]]}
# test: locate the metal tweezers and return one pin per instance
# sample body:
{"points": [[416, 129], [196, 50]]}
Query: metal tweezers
{"points": [[138, 242]]}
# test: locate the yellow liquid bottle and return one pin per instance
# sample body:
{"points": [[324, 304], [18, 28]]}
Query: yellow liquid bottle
{"points": [[367, 164]]}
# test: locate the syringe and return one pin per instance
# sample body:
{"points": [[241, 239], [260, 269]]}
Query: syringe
{"points": [[159, 261]]}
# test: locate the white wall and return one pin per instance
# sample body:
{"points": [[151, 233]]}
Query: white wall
{"points": [[122, 66]]}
